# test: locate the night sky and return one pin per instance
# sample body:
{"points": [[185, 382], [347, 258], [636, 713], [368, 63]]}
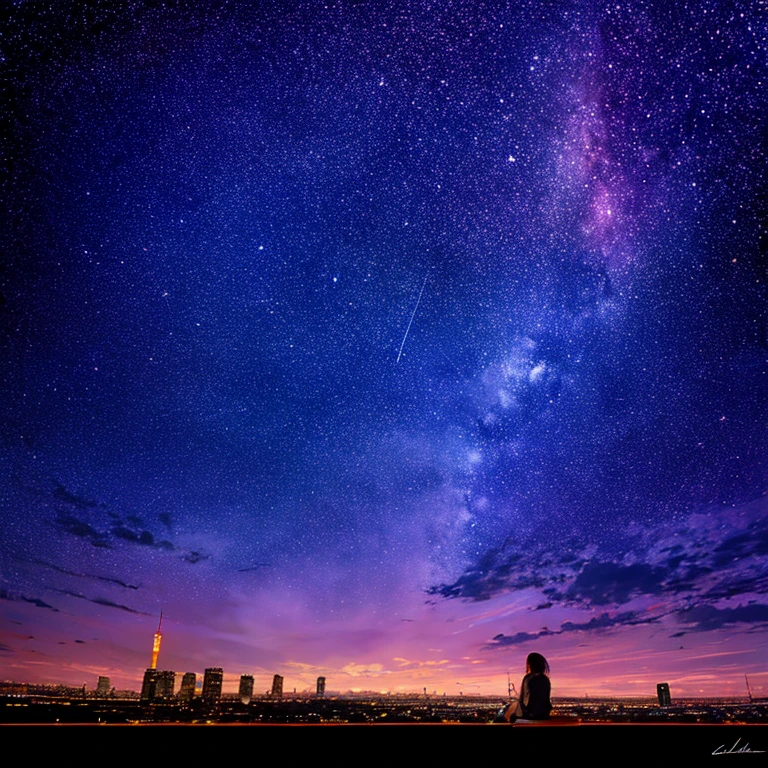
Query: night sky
{"points": [[385, 341]]}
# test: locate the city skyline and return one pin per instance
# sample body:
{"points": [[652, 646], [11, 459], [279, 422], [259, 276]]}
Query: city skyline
{"points": [[231, 683], [385, 343]]}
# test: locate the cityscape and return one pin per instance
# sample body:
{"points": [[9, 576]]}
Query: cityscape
{"points": [[195, 700], [353, 351], [40, 704]]}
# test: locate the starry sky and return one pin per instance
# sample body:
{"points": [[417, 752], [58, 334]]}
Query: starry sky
{"points": [[386, 341]]}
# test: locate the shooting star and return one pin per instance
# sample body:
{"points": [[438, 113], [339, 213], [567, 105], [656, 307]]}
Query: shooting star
{"points": [[413, 314]]}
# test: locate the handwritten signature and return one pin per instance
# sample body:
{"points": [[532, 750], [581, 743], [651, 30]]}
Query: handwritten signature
{"points": [[737, 750]]}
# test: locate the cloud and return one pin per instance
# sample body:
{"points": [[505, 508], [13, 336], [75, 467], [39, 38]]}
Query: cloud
{"points": [[753, 541], [145, 538], [195, 557], [496, 572], [698, 560], [603, 583], [703, 618], [130, 527], [604, 621], [364, 670], [109, 604], [501, 639], [166, 519], [106, 579], [412, 664], [5, 595], [60, 493], [101, 601], [81, 529]]}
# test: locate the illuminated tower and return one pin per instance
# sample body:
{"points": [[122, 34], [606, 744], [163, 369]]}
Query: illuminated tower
{"points": [[156, 643], [277, 687], [662, 690], [321, 686]]}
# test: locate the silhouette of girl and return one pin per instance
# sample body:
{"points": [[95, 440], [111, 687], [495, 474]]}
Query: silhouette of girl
{"points": [[534, 703]]}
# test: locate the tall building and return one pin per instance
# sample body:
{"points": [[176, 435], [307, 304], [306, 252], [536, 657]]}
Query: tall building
{"points": [[277, 687], [103, 688], [164, 685], [246, 688], [149, 685], [212, 682], [187, 690], [321, 686], [158, 685], [158, 638], [662, 690]]}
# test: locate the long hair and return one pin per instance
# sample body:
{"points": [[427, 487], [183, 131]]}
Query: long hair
{"points": [[537, 664]]}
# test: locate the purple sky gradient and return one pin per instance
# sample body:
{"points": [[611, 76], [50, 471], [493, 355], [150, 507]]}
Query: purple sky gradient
{"points": [[387, 343]]}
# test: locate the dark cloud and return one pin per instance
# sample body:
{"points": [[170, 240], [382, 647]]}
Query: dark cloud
{"points": [[101, 601], [5, 595], [130, 527], [60, 493], [194, 557], [738, 588], [706, 564], [144, 538], [518, 638], [66, 572], [597, 623], [80, 642], [606, 621], [165, 519], [496, 572], [604, 583], [109, 604], [703, 618], [752, 542], [70, 524]]}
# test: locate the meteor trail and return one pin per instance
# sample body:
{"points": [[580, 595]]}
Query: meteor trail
{"points": [[413, 314]]}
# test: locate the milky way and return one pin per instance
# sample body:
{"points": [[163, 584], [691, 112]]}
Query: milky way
{"points": [[221, 398]]}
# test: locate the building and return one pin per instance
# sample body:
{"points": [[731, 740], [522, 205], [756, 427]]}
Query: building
{"points": [[212, 683], [158, 685], [187, 690], [321, 686], [246, 688], [277, 687], [662, 690], [148, 685], [103, 687], [165, 682]]}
